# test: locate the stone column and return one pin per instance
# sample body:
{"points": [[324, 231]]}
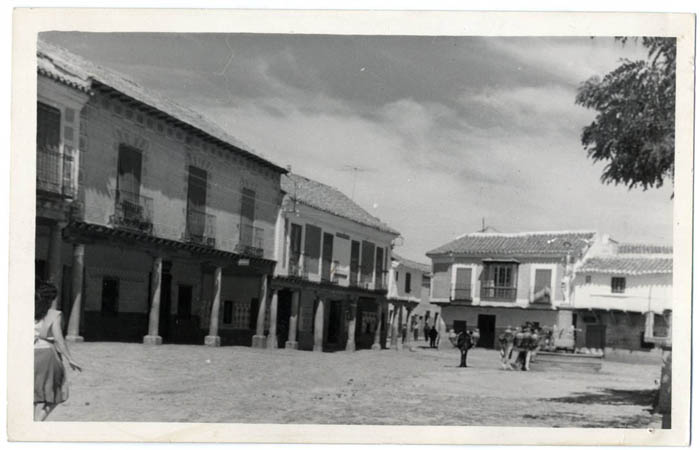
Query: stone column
{"points": [[352, 324], [213, 339], [378, 330], [259, 338], [73, 333], [152, 338], [318, 326], [293, 321], [54, 262], [399, 340], [394, 325], [272, 335]]}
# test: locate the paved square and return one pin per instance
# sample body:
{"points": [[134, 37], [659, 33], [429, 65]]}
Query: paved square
{"points": [[176, 383]]}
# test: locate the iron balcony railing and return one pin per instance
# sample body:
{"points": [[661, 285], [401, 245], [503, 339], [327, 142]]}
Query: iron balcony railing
{"points": [[133, 211], [380, 283], [462, 292], [54, 172], [297, 267], [498, 293], [201, 228], [251, 241]]}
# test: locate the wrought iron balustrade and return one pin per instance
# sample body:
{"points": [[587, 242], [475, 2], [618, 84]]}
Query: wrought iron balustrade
{"points": [[251, 241], [54, 171], [498, 293], [133, 211], [201, 228]]}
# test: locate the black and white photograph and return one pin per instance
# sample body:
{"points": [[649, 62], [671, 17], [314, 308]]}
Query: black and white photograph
{"points": [[444, 230]]}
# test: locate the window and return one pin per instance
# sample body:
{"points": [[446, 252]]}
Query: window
{"points": [[327, 258], [500, 281], [588, 279], [542, 288], [295, 249], [396, 275], [425, 281], [247, 216], [379, 268], [110, 296], [354, 261], [617, 285], [462, 283], [312, 248], [367, 267], [48, 127], [407, 283], [196, 202], [48, 157]]}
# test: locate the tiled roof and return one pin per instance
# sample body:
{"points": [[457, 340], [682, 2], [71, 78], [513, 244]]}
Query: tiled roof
{"points": [[627, 265], [415, 265], [330, 200], [640, 249], [533, 243], [60, 64]]}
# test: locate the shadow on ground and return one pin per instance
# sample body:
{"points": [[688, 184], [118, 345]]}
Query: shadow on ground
{"points": [[643, 397]]}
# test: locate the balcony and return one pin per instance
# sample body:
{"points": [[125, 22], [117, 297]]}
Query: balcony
{"points": [[380, 283], [462, 293], [542, 297], [201, 228], [133, 212], [251, 241], [297, 267], [499, 293], [54, 172]]}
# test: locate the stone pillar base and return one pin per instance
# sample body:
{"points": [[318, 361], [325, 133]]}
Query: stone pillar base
{"points": [[212, 341], [152, 340], [318, 348], [292, 345], [74, 338], [272, 342], [259, 341], [350, 347], [376, 346]]}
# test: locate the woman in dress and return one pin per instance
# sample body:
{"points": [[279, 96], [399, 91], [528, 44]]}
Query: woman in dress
{"points": [[50, 387]]}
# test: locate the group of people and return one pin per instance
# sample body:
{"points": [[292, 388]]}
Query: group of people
{"points": [[523, 341], [50, 353]]}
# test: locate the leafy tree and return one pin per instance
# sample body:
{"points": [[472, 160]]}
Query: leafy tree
{"points": [[634, 128]]}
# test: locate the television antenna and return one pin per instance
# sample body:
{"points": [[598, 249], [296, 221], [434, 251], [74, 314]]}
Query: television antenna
{"points": [[355, 170]]}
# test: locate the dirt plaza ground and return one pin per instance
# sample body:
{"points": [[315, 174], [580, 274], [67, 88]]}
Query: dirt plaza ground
{"points": [[178, 383]]}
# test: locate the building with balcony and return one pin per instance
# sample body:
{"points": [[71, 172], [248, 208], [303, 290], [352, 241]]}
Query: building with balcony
{"points": [[491, 280], [163, 222], [330, 283], [409, 297], [623, 297]]}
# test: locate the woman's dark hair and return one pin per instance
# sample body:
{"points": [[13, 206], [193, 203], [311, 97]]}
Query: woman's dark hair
{"points": [[44, 294]]}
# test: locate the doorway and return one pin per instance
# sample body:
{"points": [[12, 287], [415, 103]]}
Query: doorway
{"points": [[284, 310], [335, 317], [165, 296], [487, 330]]}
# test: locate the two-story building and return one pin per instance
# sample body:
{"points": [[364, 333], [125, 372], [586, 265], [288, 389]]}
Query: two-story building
{"points": [[623, 297], [330, 284], [171, 231], [491, 281], [409, 297]]}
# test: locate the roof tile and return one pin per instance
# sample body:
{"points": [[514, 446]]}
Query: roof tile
{"points": [[627, 265], [331, 200], [533, 243]]}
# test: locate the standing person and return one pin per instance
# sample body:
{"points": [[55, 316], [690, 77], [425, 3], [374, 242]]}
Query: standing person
{"points": [[465, 341], [426, 330], [432, 334], [50, 383], [404, 330], [415, 327]]}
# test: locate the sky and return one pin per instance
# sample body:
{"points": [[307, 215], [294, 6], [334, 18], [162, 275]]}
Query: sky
{"points": [[433, 135]]}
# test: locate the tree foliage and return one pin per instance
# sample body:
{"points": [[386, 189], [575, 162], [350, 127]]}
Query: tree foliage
{"points": [[633, 130]]}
